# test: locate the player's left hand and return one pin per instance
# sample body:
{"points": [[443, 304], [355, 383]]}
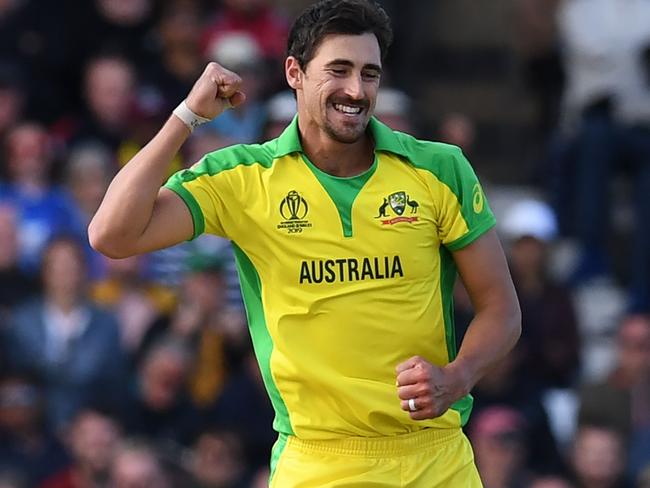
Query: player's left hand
{"points": [[432, 388]]}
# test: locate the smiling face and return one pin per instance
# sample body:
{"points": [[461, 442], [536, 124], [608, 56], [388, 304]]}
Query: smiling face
{"points": [[337, 90]]}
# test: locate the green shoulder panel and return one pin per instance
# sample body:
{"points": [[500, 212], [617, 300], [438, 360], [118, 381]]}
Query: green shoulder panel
{"points": [[230, 157], [450, 166], [214, 163]]}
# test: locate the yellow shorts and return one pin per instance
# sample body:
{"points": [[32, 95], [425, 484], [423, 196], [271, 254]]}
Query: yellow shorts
{"points": [[426, 459]]}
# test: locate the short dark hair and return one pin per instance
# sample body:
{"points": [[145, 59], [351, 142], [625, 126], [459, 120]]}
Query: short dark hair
{"points": [[337, 17]]}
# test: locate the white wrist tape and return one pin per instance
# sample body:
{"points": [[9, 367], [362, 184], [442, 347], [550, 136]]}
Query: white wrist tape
{"points": [[189, 118]]}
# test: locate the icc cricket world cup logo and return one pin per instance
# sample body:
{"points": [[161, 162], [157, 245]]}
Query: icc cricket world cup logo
{"points": [[293, 209]]}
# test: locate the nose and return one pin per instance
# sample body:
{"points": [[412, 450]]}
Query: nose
{"points": [[354, 87]]}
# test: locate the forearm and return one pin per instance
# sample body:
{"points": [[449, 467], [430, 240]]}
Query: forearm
{"points": [[489, 337], [129, 201]]}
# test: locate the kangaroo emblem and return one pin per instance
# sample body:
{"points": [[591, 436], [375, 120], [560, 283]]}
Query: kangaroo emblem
{"points": [[413, 204], [382, 209]]}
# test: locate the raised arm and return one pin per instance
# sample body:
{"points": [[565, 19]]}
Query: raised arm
{"points": [[136, 215]]}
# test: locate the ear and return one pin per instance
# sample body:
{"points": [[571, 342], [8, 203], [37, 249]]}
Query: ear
{"points": [[293, 72]]}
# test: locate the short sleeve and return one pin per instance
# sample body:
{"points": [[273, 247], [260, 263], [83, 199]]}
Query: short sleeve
{"points": [[463, 213], [205, 193]]}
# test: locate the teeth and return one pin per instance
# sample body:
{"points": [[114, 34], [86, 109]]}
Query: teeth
{"points": [[347, 109]]}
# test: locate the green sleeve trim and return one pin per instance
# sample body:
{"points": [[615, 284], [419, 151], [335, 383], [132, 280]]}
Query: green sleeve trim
{"points": [[464, 408], [251, 287], [192, 205], [471, 236]]}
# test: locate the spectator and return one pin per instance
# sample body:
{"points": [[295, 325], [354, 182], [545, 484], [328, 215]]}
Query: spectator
{"points": [[206, 140], [27, 446], [643, 480], [218, 462], [9, 479], [550, 482], [12, 100], [622, 400], [256, 18], [159, 408], [66, 340], [136, 301], [459, 130], [539, 52], [244, 408], [500, 447], [88, 172], [109, 96], [180, 60], [507, 384], [550, 336], [42, 210], [281, 109], [598, 457], [32, 37], [121, 27], [136, 466], [240, 52], [606, 110], [204, 321], [92, 440], [15, 285], [393, 108]]}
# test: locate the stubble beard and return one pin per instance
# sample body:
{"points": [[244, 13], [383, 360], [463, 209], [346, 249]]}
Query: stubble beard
{"points": [[345, 135]]}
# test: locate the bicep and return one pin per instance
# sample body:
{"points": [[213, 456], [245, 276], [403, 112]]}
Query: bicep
{"points": [[483, 268], [171, 223]]}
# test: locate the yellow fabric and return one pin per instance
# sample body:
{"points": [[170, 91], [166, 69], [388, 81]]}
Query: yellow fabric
{"points": [[346, 371], [425, 459], [342, 312]]}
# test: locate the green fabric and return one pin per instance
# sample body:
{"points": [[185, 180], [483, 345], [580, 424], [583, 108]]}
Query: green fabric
{"points": [[464, 408], [276, 452], [193, 206], [251, 287], [448, 164], [342, 191], [447, 279]]}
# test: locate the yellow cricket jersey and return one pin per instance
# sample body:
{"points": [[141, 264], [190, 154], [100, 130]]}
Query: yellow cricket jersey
{"points": [[342, 278]]}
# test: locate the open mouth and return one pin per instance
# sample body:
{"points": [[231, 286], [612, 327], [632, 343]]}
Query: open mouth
{"points": [[347, 109]]}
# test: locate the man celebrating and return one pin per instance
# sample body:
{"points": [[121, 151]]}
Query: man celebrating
{"points": [[350, 312]]}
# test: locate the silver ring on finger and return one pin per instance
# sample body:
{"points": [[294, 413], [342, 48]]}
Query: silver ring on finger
{"points": [[412, 406]]}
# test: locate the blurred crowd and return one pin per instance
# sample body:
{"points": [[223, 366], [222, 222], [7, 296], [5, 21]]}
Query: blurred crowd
{"points": [[140, 372]]}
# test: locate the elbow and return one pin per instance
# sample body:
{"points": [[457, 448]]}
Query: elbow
{"points": [[104, 242]]}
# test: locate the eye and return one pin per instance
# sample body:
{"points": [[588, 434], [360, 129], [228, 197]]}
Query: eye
{"points": [[371, 75], [338, 71]]}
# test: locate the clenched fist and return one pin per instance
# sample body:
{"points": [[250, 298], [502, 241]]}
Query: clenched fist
{"points": [[216, 90], [428, 388]]}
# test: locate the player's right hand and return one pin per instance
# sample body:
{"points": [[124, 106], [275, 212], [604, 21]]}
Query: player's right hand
{"points": [[216, 90]]}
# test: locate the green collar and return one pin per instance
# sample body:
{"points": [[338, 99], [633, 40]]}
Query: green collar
{"points": [[384, 137]]}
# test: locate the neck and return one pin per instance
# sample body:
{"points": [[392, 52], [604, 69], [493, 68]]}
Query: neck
{"points": [[333, 157]]}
